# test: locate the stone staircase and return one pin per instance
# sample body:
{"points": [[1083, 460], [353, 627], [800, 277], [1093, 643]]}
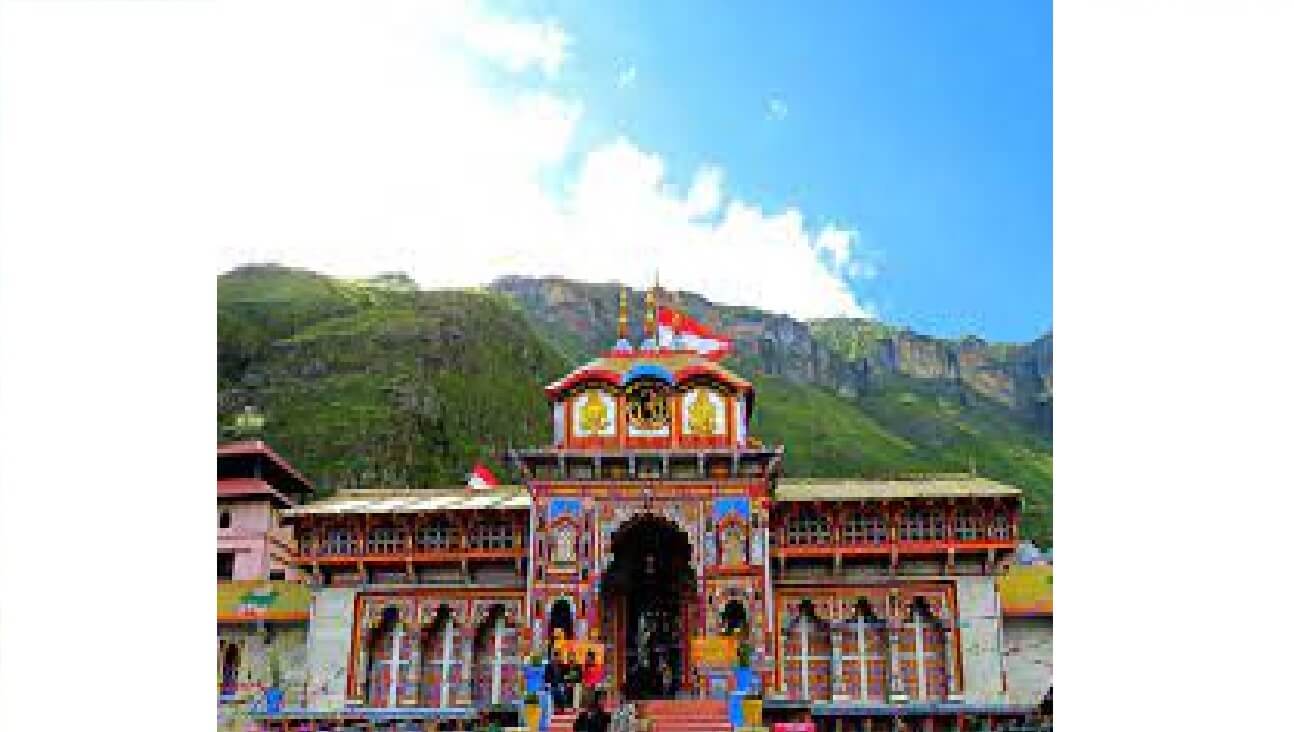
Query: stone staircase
{"points": [[686, 715]]}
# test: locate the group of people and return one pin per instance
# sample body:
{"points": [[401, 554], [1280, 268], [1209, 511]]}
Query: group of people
{"points": [[571, 681]]}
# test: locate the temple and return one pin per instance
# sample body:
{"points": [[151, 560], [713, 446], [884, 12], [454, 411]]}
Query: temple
{"points": [[652, 524]]}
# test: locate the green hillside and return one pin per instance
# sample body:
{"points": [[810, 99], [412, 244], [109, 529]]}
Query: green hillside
{"points": [[366, 383]]}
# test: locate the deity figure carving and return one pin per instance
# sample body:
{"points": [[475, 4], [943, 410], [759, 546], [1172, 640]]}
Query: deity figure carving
{"points": [[593, 416], [733, 540], [564, 545], [702, 418]]}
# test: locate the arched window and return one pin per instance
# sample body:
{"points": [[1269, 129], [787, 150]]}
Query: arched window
{"points": [[495, 661], [390, 656], [865, 652], [806, 664], [441, 671], [922, 655]]}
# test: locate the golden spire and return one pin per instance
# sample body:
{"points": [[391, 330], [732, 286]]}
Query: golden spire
{"points": [[649, 320], [622, 330]]}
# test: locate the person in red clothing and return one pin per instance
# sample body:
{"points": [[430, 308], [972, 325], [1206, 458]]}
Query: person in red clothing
{"points": [[593, 674]]}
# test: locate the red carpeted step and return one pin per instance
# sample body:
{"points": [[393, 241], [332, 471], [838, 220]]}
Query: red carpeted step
{"points": [[686, 715]]}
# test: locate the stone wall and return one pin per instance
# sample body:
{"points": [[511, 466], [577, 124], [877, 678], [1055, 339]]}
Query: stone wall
{"points": [[332, 619], [980, 622], [1028, 658], [256, 647]]}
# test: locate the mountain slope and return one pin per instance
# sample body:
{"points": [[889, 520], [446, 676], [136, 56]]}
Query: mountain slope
{"points": [[373, 382]]}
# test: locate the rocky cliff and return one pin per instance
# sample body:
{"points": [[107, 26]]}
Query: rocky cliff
{"points": [[845, 356]]}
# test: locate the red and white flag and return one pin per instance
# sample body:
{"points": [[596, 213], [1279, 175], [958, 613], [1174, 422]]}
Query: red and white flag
{"points": [[481, 478], [676, 330]]}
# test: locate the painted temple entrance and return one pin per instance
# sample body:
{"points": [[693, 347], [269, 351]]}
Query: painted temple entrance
{"points": [[649, 607]]}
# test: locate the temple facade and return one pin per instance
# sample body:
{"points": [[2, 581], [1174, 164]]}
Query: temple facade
{"points": [[651, 524]]}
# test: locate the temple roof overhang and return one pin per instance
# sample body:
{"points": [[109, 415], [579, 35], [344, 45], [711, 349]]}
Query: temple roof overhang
{"points": [[258, 447], [831, 489], [417, 500], [250, 488], [673, 367]]}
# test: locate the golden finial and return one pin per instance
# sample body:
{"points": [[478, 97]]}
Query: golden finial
{"points": [[622, 331], [649, 318]]}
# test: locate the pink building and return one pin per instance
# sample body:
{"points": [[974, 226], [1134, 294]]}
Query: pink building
{"points": [[253, 486]]}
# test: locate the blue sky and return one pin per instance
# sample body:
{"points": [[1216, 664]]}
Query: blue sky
{"points": [[924, 126], [889, 160]]}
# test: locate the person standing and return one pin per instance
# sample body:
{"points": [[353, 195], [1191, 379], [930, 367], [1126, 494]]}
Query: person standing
{"points": [[574, 679], [593, 718], [556, 680], [593, 673]]}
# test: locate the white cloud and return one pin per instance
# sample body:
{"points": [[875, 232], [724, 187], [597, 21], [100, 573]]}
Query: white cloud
{"points": [[516, 45], [777, 109], [351, 141], [706, 192], [626, 78]]}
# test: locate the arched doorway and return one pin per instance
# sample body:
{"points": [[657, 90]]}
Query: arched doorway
{"points": [[229, 670], [648, 596], [733, 619], [561, 617]]}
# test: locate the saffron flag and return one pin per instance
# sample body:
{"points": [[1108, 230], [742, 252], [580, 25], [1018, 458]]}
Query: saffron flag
{"points": [[481, 478], [677, 330]]}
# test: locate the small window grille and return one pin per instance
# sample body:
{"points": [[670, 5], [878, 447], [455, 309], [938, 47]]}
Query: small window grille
{"points": [[386, 540], [438, 536], [492, 535], [808, 529], [863, 527], [339, 542], [916, 526], [1000, 526], [967, 527]]}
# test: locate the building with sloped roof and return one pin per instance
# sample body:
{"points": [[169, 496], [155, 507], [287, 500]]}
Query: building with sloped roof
{"points": [[656, 531]]}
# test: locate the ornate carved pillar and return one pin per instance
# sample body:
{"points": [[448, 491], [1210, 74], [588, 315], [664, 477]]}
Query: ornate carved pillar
{"points": [[951, 655], [410, 685], [893, 626], [837, 667], [465, 673]]}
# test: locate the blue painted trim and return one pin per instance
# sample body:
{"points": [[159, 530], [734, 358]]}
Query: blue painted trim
{"points": [[372, 713], [559, 506], [647, 369], [724, 506], [860, 709]]}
